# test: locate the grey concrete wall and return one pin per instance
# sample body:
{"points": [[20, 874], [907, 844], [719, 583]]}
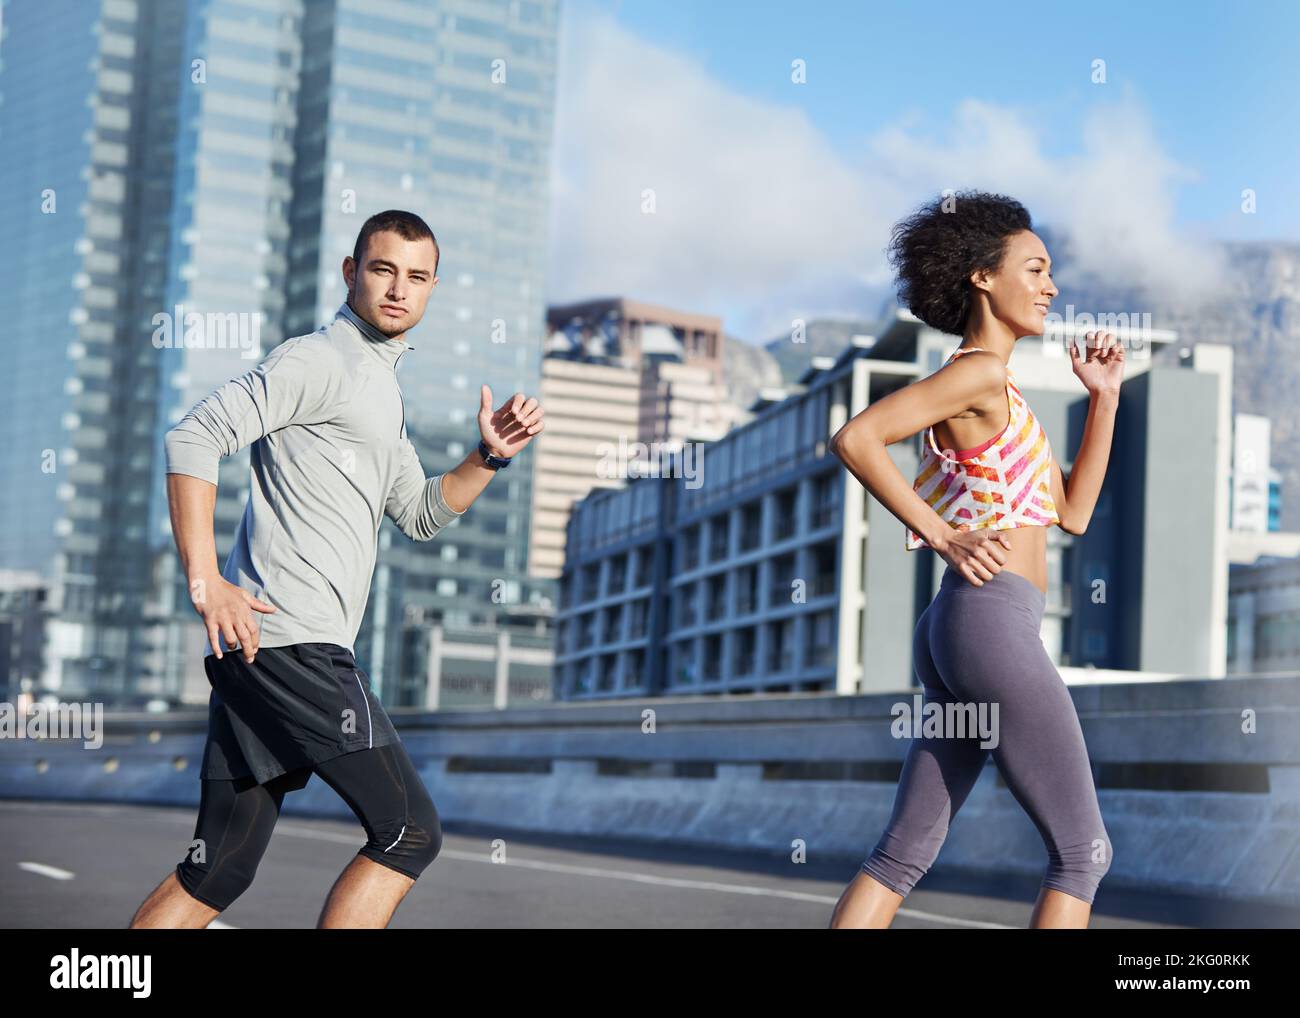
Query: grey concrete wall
{"points": [[1192, 802]]}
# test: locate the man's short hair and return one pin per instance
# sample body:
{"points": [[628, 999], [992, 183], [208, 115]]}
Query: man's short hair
{"points": [[406, 225]]}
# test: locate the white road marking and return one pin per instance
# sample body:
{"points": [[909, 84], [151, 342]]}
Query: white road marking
{"points": [[480, 857], [650, 878], [53, 872]]}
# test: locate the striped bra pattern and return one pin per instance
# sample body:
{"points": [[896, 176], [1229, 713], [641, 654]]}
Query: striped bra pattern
{"points": [[1002, 484]]}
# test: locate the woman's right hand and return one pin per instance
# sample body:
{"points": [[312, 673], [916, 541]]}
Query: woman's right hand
{"points": [[976, 554]]}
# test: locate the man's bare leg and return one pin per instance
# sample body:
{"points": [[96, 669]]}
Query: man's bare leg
{"points": [[364, 897], [171, 907]]}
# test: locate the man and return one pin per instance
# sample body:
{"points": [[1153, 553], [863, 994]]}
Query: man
{"points": [[330, 458]]}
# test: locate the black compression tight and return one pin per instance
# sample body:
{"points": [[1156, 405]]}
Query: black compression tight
{"points": [[236, 819]]}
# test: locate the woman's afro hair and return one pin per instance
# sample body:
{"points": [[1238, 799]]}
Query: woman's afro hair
{"points": [[936, 248]]}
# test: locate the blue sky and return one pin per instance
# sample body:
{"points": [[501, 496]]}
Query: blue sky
{"points": [[1221, 79], [901, 100]]}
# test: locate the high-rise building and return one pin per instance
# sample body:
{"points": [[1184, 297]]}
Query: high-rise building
{"points": [[88, 118], [592, 410], [193, 175], [625, 383], [226, 275], [24, 613], [446, 109]]}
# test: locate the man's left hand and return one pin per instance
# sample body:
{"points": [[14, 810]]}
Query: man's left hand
{"points": [[512, 425]]}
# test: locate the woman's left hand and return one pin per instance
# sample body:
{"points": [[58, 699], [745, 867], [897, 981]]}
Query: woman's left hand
{"points": [[1101, 369]]}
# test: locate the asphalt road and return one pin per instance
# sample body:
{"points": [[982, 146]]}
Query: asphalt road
{"points": [[73, 866]]}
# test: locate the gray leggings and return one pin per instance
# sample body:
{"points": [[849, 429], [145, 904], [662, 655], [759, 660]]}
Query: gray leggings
{"points": [[981, 645]]}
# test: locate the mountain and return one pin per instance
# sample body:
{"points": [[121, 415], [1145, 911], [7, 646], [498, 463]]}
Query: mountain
{"points": [[823, 337], [1260, 320], [746, 369], [779, 362]]}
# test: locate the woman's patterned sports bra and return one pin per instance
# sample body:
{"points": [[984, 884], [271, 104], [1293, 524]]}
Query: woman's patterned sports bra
{"points": [[1002, 484]]}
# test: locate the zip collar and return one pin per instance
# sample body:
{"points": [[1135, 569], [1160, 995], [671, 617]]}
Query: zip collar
{"points": [[387, 348]]}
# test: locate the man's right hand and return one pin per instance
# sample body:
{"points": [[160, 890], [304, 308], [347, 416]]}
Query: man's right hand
{"points": [[978, 555], [227, 611]]}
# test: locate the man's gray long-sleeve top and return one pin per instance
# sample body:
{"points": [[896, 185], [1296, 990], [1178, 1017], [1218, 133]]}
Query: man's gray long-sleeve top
{"points": [[330, 459]]}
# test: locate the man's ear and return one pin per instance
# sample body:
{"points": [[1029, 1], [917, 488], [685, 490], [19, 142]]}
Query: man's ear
{"points": [[349, 271]]}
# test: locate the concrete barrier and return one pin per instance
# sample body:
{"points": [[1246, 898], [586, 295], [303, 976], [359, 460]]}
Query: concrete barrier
{"points": [[1199, 780]]}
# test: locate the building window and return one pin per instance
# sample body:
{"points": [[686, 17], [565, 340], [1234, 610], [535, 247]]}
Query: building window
{"points": [[746, 590], [633, 667], [586, 675], [686, 602], [751, 526], [824, 491], [638, 612], [683, 664], [608, 675], [717, 597], [780, 653], [617, 573], [787, 503], [820, 652], [713, 657], [824, 560], [743, 651], [591, 582], [688, 547], [719, 534], [780, 577]]}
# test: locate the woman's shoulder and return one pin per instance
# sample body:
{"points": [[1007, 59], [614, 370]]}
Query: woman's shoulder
{"points": [[978, 369], [977, 355]]}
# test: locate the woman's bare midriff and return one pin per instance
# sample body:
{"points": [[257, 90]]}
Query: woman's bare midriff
{"points": [[1028, 554]]}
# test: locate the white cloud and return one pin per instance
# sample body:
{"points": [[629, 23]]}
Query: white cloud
{"points": [[1114, 198], [760, 219]]}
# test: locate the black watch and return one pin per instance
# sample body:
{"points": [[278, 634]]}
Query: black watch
{"points": [[494, 461]]}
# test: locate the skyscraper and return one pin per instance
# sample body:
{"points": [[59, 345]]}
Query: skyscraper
{"points": [[448, 114], [87, 122], [193, 175]]}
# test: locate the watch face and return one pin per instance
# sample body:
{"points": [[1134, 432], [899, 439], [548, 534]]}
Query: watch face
{"points": [[492, 460]]}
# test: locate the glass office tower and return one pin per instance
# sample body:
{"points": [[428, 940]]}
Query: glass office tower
{"points": [[87, 117], [238, 82], [443, 109], [214, 160]]}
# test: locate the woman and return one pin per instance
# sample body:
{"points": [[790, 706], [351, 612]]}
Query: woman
{"points": [[986, 492]]}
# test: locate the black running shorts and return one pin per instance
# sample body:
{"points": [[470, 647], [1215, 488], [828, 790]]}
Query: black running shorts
{"points": [[291, 708]]}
